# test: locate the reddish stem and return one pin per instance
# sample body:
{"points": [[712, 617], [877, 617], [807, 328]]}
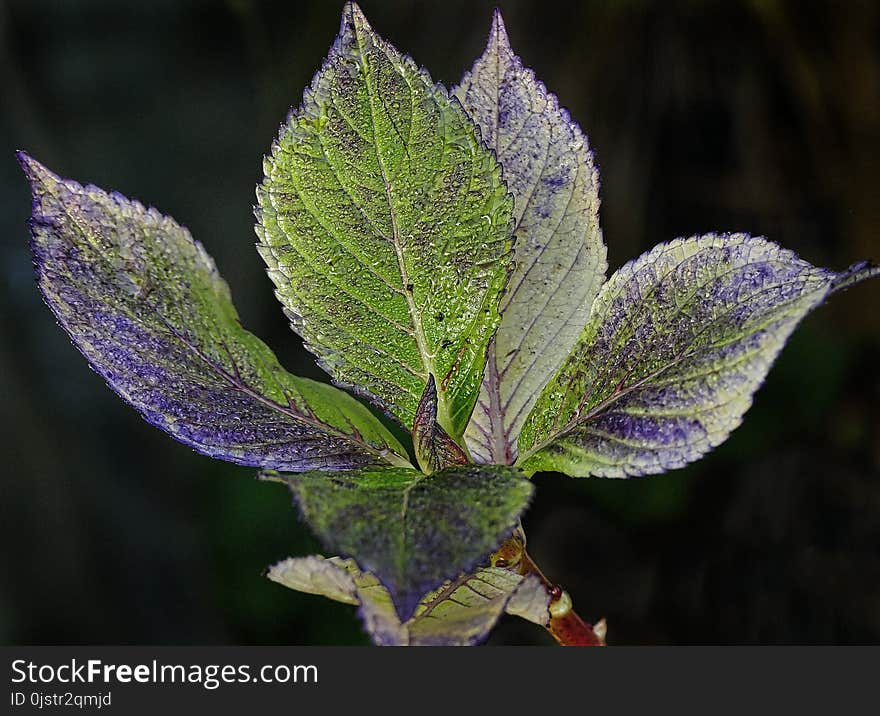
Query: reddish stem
{"points": [[565, 625], [571, 630]]}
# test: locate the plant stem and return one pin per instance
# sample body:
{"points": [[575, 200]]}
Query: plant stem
{"points": [[565, 625], [571, 630]]}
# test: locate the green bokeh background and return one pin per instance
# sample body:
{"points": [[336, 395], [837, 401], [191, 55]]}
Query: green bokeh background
{"points": [[760, 115]]}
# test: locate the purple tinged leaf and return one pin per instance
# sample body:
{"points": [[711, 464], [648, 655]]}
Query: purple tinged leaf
{"points": [[558, 252], [433, 446], [145, 305], [677, 343], [858, 272]]}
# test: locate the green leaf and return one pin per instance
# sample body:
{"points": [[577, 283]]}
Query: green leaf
{"points": [[469, 606], [412, 530], [559, 254], [145, 305], [386, 229], [677, 343], [461, 612]]}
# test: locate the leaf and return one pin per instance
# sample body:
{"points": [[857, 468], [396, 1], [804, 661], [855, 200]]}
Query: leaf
{"points": [[412, 530], [316, 575], [341, 580], [559, 254], [531, 601], [145, 305], [464, 611], [461, 613], [433, 446], [677, 343], [386, 229], [858, 272]]}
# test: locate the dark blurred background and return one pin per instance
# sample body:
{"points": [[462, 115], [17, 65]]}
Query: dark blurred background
{"points": [[761, 115]]}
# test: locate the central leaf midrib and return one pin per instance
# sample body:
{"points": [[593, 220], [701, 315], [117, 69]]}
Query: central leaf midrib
{"points": [[501, 448], [404, 510], [415, 317]]}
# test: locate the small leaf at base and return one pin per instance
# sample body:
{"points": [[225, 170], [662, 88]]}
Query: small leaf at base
{"points": [[460, 613], [413, 531]]}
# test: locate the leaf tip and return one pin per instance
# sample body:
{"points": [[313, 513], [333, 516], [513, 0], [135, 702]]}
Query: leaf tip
{"points": [[35, 172], [266, 475], [273, 572], [858, 272], [24, 159], [498, 33], [353, 18]]}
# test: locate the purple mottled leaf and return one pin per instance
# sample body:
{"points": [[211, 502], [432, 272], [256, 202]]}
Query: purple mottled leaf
{"points": [[413, 531], [145, 305], [677, 343], [559, 256]]}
